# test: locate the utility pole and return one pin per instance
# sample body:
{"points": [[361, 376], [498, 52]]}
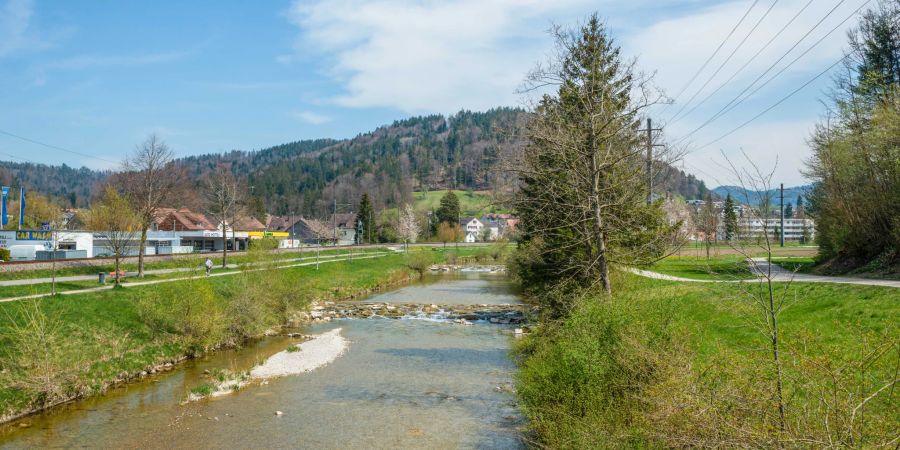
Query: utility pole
{"points": [[334, 222], [292, 230], [781, 237], [650, 146]]}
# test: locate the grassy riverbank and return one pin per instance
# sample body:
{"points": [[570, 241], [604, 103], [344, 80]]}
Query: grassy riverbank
{"points": [[663, 364], [190, 261], [64, 347]]}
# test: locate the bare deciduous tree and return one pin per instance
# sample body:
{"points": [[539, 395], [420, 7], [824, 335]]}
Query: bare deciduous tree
{"points": [[150, 180], [708, 223], [222, 195]]}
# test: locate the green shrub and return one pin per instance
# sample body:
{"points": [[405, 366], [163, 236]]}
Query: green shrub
{"points": [[191, 309], [4, 254], [266, 243], [419, 262], [582, 381]]}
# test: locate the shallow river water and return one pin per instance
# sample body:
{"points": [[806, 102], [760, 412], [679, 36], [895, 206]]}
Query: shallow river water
{"points": [[405, 383]]}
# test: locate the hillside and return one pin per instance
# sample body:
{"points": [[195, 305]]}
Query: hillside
{"points": [[740, 194], [72, 187], [464, 151]]}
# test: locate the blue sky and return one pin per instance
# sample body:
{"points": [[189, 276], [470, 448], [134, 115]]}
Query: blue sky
{"points": [[98, 77]]}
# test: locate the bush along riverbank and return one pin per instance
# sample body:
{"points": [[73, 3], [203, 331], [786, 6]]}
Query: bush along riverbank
{"points": [[61, 348], [663, 364]]}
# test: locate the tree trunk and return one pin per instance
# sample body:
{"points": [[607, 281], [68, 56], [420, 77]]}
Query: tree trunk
{"points": [[774, 337], [141, 250], [117, 268], [599, 234], [224, 248]]}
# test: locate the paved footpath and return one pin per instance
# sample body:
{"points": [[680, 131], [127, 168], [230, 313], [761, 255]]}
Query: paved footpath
{"points": [[214, 274], [199, 267], [760, 267]]}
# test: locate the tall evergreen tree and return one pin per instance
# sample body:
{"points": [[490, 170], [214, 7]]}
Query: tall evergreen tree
{"points": [[788, 211], [582, 193], [730, 219], [365, 216], [448, 212]]}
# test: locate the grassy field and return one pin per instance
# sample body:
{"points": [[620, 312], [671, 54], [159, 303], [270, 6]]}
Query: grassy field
{"points": [[665, 364], [471, 203], [62, 347], [800, 264], [725, 267], [697, 249]]}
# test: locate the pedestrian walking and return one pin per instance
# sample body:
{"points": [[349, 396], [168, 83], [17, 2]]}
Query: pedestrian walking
{"points": [[209, 265]]}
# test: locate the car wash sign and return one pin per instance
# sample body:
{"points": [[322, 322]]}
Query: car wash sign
{"points": [[34, 235]]}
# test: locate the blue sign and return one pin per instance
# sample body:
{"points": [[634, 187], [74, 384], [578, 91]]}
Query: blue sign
{"points": [[22, 207], [4, 192], [45, 226]]}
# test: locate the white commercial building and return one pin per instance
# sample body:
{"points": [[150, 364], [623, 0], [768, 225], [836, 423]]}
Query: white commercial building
{"points": [[794, 229]]}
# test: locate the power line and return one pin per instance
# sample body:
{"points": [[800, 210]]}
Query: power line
{"points": [[758, 88], [772, 66], [716, 52], [17, 157], [722, 66], [783, 99], [749, 61], [55, 147]]}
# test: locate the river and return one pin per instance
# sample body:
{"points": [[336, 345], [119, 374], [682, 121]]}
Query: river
{"points": [[407, 383]]}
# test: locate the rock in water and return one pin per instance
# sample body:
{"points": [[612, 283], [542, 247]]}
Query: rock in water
{"points": [[278, 413]]}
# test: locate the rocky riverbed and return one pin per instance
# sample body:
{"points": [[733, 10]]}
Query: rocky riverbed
{"points": [[486, 268], [504, 314]]}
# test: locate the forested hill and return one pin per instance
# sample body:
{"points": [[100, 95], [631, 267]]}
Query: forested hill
{"points": [[462, 151], [68, 185]]}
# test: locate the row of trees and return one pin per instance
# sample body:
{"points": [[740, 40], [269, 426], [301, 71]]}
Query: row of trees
{"points": [[856, 150], [408, 225]]}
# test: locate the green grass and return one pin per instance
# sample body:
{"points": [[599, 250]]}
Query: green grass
{"points": [[204, 390], [102, 336], [665, 363], [724, 267], [471, 203], [187, 261], [800, 264]]}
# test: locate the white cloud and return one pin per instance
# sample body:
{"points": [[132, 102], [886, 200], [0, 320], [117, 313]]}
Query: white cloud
{"points": [[771, 145], [442, 56], [311, 117], [427, 56], [677, 47], [15, 17]]}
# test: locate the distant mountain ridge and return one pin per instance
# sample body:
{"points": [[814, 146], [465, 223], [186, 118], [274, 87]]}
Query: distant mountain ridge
{"points": [[741, 195], [463, 151]]}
